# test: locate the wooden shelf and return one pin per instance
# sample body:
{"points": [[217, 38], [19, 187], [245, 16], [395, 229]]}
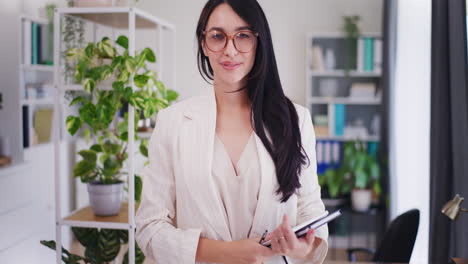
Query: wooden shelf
{"points": [[85, 217]]}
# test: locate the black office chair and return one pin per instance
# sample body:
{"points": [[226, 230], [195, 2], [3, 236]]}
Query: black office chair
{"points": [[398, 241]]}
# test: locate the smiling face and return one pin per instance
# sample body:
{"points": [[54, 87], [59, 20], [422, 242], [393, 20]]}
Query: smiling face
{"points": [[230, 66]]}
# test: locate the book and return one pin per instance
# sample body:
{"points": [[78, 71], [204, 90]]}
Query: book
{"points": [[368, 54], [339, 119], [34, 43], [360, 55], [27, 41], [25, 113], [362, 90], [378, 45]]}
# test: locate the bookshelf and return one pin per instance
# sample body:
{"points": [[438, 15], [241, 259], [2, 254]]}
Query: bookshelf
{"points": [[343, 94], [111, 22], [36, 74]]}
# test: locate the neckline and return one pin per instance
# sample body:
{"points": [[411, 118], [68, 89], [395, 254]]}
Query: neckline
{"points": [[233, 166]]}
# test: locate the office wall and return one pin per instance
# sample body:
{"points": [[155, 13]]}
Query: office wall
{"points": [[410, 119], [289, 22]]}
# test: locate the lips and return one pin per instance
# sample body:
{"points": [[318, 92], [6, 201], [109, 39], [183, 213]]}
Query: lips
{"points": [[230, 65]]}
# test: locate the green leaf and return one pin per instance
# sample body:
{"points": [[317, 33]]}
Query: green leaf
{"points": [[77, 100], [140, 80], [361, 179], [87, 135], [130, 64], [73, 123], [149, 54], [88, 155], [122, 41], [139, 256], [377, 188], [89, 50], [83, 168], [138, 188], [128, 93], [118, 87], [88, 113], [172, 95], [86, 236], [123, 76], [96, 148], [144, 149], [111, 167], [111, 148], [88, 85], [108, 244]]}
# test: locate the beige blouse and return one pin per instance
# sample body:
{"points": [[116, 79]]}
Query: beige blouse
{"points": [[238, 193]]}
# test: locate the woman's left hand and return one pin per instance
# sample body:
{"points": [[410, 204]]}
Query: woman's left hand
{"points": [[284, 241]]}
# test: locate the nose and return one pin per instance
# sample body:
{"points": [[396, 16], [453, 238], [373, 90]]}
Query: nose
{"points": [[230, 49]]}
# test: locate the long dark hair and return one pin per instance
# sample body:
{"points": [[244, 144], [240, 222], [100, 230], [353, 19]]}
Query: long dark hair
{"points": [[271, 109]]}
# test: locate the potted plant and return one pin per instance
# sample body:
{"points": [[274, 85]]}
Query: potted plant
{"points": [[364, 174], [102, 165], [352, 32], [336, 185]]}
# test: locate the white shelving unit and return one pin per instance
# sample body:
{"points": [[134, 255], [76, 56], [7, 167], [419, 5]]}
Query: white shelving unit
{"points": [[325, 105], [38, 75], [115, 18]]}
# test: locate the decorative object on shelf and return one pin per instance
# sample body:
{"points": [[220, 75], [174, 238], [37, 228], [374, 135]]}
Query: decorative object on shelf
{"points": [[359, 172], [351, 30], [453, 207], [356, 129], [43, 124], [362, 90], [328, 87], [330, 59], [103, 161], [317, 61]]}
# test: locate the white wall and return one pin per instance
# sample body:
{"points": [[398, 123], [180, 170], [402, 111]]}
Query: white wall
{"points": [[289, 22], [410, 119]]}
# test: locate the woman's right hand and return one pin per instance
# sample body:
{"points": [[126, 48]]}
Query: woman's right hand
{"points": [[247, 251]]}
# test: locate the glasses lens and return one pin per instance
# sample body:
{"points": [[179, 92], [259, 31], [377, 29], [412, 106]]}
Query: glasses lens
{"points": [[215, 40], [245, 41]]}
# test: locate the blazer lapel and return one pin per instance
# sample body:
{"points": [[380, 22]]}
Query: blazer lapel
{"points": [[266, 195], [197, 157]]}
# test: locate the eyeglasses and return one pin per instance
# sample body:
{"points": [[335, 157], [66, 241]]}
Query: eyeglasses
{"points": [[244, 40]]}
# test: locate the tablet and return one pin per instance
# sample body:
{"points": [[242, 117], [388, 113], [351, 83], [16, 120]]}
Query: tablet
{"points": [[301, 230]]}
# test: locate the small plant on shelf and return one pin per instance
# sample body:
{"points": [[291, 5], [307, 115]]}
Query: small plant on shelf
{"points": [[358, 173], [352, 32]]}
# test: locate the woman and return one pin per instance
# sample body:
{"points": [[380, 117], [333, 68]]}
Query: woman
{"points": [[226, 167]]}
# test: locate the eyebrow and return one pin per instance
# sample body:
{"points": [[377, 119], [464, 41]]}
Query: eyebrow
{"points": [[237, 29]]}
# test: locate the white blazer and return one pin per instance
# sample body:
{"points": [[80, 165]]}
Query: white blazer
{"points": [[180, 203]]}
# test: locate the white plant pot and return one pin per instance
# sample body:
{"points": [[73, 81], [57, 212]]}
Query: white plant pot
{"points": [[105, 199], [361, 199]]}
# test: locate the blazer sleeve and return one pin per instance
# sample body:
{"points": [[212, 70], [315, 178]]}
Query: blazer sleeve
{"points": [[156, 233], [309, 199]]}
